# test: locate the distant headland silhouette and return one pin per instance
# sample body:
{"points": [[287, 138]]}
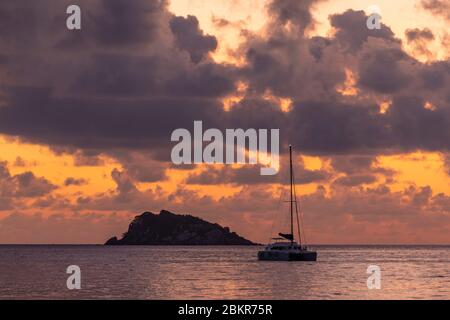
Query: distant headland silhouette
{"points": [[167, 228]]}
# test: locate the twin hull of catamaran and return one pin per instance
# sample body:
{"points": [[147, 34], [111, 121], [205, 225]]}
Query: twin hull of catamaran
{"points": [[286, 251]]}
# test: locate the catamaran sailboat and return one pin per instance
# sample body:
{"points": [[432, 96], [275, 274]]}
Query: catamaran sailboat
{"points": [[286, 248]]}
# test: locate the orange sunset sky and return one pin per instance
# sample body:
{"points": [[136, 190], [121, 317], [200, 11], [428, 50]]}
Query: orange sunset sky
{"points": [[86, 116]]}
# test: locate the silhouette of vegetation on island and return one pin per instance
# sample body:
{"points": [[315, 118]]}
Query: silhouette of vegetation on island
{"points": [[167, 228]]}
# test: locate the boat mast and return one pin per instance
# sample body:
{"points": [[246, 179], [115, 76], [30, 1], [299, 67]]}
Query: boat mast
{"points": [[292, 200]]}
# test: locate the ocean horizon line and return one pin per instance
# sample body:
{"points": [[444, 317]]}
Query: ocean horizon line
{"points": [[254, 245]]}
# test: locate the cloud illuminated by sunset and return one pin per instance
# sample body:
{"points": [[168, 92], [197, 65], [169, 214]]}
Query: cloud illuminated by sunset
{"points": [[86, 117]]}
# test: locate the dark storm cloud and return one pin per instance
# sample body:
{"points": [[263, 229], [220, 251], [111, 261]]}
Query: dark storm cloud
{"points": [[381, 70], [251, 175], [142, 166], [110, 24], [322, 121], [352, 33], [416, 34], [417, 127], [137, 28], [435, 75], [254, 112], [331, 127], [207, 80], [288, 69], [132, 81], [189, 37], [353, 163], [74, 182], [29, 186], [87, 159], [127, 22], [296, 12], [22, 163], [122, 75], [317, 45], [125, 75], [422, 196], [18, 31], [23, 185], [137, 72], [356, 180], [419, 41], [104, 123], [287, 63], [438, 7]]}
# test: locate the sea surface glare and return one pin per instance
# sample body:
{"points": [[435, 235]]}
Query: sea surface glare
{"points": [[39, 272]]}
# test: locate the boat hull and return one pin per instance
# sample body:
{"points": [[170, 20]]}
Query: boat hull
{"points": [[287, 256]]}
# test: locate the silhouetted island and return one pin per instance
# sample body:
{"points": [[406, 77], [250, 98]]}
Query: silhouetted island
{"points": [[172, 229]]}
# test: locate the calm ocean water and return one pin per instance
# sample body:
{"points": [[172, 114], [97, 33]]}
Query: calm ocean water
{"points": [[39, 272]]}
